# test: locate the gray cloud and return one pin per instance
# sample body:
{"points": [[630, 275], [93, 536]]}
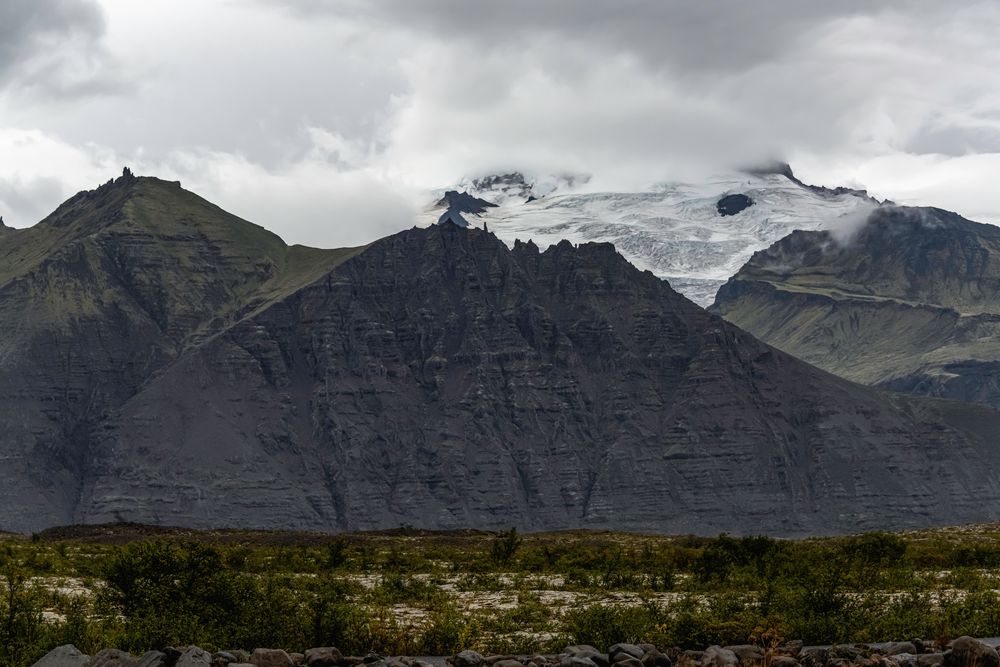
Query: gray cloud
{"points": [[328, 119], [52, 48], [684, 36]]}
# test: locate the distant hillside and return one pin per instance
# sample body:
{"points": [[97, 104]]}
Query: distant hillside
{"points": [[911, 302]]}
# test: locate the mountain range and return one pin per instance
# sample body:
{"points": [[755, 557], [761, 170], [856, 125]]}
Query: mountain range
{"points": [[167, 362]]}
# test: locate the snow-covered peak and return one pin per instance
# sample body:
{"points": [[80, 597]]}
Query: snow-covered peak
{"points": [[687, 233], [516, 188]]}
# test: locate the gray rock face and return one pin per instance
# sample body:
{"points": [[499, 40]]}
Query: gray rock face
{"points": [[112, 287], [440, 379], [63, 656], [585, 392]]}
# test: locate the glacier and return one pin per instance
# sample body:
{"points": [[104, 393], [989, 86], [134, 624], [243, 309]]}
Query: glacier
{"points": [[674, 230]]}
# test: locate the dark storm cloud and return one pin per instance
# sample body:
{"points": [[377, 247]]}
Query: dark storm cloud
{"points": [[683, 35], [691, 78]]}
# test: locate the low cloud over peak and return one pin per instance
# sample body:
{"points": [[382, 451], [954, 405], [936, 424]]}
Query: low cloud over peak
{"points": [[371, 103]]}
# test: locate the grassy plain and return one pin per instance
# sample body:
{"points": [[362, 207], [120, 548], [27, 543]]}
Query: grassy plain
{"points": [[423, 593]]}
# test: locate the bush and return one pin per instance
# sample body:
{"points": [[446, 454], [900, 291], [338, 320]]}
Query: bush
{"points": [[504, 546], [173, 595], [604, 625], [21, 627]]}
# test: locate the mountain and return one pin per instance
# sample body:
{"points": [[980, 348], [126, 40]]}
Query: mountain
{"points": [[174, 364], [695, 235], [96, 299], [910, 302], [457, 205]]}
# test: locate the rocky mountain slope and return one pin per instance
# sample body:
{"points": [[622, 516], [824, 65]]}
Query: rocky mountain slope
{"points": [[173, 364], [696, 235], [911, 302], [100, 296]]}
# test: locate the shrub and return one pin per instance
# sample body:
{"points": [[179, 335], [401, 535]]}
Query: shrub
{"points": [[504, 546]]}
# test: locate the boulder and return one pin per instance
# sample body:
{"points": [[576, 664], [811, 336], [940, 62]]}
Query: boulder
{"points": [[747, 654], [905, 659], [194, 657], [653, 657], [270, 657], [508, 662], [716, 656], [468, 659], [792, 648], [576, 661], [223, 658], [847, 652], [297, 658], [154, 659], [588, 651], [883, 661], [324, 656], [623, 649], [969, 652], [784, 661], [930, 660], [63, 656], [627, 661], [895, 648], [112, 657]]}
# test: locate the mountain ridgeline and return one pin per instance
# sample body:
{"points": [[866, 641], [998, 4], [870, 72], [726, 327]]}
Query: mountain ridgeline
{"points": [[166, 362], [910, 302]]}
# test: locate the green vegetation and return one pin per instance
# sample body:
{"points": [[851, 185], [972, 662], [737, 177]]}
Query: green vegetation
{"points": [[416, 593]]}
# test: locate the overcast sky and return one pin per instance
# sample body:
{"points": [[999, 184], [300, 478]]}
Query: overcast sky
{"points": [[325, 120]]}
